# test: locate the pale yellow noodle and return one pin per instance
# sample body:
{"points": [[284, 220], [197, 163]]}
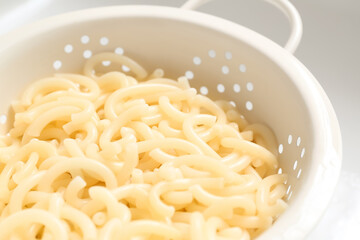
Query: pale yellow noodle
{"points": [[77, 163], [115, 58], [178, 197], [45, 86], [28, 168], [99, 218], [114, 208], [90, 89], [188, 128], [18, 195], [71, 195], [197, 226], [212, 226], [33, 216], [88, 229], [132, 91]]}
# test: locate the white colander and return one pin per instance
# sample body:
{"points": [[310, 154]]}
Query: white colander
{"points": [[223, 60]]}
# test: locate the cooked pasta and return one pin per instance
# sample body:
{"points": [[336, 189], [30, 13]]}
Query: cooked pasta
{"points": [[137, 156]]}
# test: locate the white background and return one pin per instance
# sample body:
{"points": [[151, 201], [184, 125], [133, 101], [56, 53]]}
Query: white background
{"points": [[330, 49]]}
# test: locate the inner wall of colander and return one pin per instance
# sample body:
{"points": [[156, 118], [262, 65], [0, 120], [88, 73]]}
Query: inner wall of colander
{"points": [[217, 65]]}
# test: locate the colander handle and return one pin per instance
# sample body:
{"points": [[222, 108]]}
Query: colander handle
{"points": [[284, 5]]}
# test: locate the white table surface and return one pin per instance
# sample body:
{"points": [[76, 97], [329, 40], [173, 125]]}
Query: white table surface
{"points": [[330, 49]]}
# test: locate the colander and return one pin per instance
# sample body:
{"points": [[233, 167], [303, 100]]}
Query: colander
{"points": [[222, 60]]}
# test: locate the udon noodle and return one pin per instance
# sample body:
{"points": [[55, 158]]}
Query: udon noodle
{"points": [[136, 156]]}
